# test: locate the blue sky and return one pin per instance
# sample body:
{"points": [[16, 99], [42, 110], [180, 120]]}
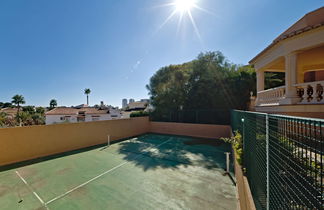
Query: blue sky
{"points": [[57, 48]]}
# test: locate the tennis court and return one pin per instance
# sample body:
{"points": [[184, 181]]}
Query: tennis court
{"points": [[146, 172]]}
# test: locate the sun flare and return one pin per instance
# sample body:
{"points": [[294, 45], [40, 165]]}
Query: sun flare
{"points": [[184, 5], [183, 9]]}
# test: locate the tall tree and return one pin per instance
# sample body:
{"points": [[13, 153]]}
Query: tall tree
{"points": [[53, 104], [169, 87], [87, 91], [210, 82], [18, 100]]}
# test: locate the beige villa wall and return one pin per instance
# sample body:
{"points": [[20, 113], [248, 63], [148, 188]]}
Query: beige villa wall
{"points": [[24, 143], [309, 60], [187, 129], [299, 110]]}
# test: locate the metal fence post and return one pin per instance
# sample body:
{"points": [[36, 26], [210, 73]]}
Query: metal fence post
{"points": [[267, 157], [244, 141]]}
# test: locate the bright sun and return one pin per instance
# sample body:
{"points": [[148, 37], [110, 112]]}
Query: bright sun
{"points": [[183, 9], [184, 5]]}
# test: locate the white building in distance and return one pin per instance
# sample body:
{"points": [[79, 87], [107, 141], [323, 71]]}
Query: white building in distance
{"points": [[84, 114]]}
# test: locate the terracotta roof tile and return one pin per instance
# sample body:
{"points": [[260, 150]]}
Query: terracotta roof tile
{"points": [[10, 111], [75, 111]]}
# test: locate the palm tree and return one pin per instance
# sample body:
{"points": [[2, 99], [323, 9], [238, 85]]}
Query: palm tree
{"points": [[53, 104], [18, 100], [87, 91]]}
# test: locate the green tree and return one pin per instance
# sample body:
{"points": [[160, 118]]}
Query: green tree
{"points": [[40, 110], [274, 79], [29, 109], [208, 82], [87, 91], [242, 82], [24, 118], [7, 105], [38, 119], [18, 100], [208, 88], [3, 117], [169, 87], [53, 104]]}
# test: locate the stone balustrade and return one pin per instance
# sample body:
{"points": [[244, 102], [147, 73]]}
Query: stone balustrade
{"points": [[271, 96], [310, 92]]}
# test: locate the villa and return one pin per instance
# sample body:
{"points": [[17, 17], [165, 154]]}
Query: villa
{"points": [[82, 114], [299, 53]]}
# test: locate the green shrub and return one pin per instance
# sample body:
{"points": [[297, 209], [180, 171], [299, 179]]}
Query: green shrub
{"points": [[237, 144], [139, 114]]}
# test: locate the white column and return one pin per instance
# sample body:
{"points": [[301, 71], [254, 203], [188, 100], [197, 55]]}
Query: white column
{"points": [[290, 79], [260, 80], [260, 85]]}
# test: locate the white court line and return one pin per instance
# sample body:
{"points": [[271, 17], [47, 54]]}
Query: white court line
{"points": [[31, 189], [96, 177]]}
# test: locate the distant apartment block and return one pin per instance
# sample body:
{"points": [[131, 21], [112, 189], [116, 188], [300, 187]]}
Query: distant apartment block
{"points": [[131, 100], [124, 103]]}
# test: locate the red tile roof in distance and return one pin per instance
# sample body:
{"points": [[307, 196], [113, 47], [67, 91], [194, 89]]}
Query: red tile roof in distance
{"points": [[75, 111]]}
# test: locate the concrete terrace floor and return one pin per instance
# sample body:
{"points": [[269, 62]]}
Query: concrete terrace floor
{"points": [[147, 172]]}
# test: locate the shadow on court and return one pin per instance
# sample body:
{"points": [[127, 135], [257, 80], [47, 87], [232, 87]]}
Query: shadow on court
{"points": [[175, 151]]}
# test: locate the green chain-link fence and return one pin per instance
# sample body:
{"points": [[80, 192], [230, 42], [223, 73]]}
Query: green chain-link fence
{"points": [[283, 158]]}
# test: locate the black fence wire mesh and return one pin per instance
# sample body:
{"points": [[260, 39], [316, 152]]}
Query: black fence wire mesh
{"points": [[283, 159]]}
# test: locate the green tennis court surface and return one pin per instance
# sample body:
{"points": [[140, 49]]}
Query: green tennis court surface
{"points": [[147, 172]]}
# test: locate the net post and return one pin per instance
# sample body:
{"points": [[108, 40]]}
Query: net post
{"points": [[108, 143], [227, 161]]}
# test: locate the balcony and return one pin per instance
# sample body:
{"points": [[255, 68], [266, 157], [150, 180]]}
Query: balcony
{"points": [[300, 69], [271, 96], [307, 93], [310, 92]]}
